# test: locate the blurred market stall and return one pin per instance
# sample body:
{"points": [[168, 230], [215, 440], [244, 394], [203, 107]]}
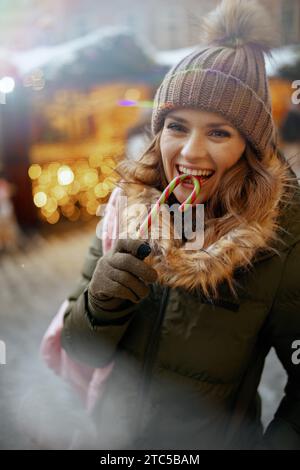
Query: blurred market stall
{"points": [[64, 126]]}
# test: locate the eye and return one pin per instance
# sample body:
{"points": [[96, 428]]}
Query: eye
{"points": [[175, 126], [219, 133]]}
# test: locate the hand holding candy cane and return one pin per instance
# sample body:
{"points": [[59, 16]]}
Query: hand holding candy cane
{"points": [[164, 197]]}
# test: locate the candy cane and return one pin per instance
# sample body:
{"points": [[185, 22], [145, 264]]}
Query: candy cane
{"points": [[164, 197]]}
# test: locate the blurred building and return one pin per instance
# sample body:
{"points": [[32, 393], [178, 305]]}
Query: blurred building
{"points": [[64, 126], [167, 24]]}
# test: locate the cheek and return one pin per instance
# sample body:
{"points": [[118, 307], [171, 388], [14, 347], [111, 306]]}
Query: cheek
{"points": [[168, 153], [229, 156]]}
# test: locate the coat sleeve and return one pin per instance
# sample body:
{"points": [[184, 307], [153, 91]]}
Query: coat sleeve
{"points": [[84, 338], [284, 430]]}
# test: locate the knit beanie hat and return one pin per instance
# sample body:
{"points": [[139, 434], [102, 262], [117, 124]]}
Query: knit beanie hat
{"points": [[227, 75]]}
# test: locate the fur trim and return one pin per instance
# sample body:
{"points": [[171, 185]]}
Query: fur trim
{"points": [[208, 267]]}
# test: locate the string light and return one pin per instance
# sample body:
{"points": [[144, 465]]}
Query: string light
{"points": [[72, 190]]}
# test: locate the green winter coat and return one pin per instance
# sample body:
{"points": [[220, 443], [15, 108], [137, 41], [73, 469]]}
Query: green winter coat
{"points": [[187, 367]]}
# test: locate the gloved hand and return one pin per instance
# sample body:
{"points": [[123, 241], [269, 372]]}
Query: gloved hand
{"points": [[120, 275]]}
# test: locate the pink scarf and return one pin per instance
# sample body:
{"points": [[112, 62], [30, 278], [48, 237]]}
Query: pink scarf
{"points": [[86, 380]]}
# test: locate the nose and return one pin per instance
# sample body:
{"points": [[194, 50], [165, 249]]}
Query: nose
{"points": [[194, 148]]}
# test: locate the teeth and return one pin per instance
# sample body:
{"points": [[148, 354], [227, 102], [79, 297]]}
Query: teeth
{"points": [[182, 169]]}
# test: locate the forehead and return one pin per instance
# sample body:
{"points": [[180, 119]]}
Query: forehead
{"points": [[198, 116]]}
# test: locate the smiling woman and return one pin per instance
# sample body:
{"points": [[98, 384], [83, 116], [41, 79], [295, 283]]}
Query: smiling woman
{"points": [[188, 351]]}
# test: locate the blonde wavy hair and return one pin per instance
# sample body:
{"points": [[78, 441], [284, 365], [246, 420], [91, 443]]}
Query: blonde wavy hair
{"points": [[248, 191]]}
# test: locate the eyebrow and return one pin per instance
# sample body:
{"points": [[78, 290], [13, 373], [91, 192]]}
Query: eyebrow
{"points": [[209, 124]]}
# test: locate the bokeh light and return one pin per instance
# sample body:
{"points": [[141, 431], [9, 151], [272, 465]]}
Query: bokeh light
{"points": [[65, 175], [90, 178], [40, 199], [53, 218], [34, 171], [73, 189], [51, 205], [58, 192], [100, 191], [7, 85]]}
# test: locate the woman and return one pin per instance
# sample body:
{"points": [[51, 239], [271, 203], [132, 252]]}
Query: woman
{"points": [[189, 329]]}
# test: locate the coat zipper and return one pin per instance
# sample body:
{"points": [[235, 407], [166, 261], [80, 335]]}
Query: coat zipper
{"points": [[150, 356]]}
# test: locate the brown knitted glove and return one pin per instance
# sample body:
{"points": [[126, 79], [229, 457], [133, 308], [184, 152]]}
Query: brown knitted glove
{"points": [[120, 276]]}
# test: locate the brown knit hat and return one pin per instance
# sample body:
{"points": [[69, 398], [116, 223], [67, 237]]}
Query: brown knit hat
{"points": [[228, 75]]}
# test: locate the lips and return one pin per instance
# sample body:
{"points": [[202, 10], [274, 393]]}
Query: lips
{"points": [[188, 182]]}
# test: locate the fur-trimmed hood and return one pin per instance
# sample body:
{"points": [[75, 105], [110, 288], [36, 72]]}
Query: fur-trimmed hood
{"points": [[206, 268]]}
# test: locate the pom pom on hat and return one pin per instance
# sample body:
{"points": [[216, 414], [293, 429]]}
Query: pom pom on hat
{"points": [[236, 23]]}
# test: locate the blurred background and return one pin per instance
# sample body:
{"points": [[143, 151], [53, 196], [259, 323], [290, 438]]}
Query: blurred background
{"points": [[77, 81]]}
